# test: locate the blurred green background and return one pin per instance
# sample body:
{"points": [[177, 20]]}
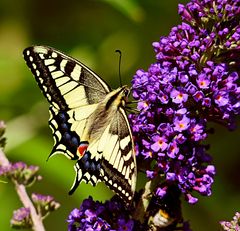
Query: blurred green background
{"points": [[90, 31]]}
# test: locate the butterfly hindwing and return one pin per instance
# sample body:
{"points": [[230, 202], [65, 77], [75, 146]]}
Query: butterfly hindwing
{"points": [[67, 128], [87, 119], [65, 141], [118, 161], [110, 159]]}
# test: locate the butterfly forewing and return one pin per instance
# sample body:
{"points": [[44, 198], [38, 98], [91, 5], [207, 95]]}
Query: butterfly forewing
{"points": [[65, 82], [85, 113]]}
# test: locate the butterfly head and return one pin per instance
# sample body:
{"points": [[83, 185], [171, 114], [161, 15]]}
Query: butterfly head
{"points": [[124, 92]]}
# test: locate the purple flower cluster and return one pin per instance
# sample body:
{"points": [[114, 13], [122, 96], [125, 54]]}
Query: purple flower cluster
{"points": [[20, 172], [194, 80], [232, 225], [21, 218], [44, 203], [97, 216]]}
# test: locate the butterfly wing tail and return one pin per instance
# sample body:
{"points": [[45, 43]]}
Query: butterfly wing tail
{"points": [[87, 170]]}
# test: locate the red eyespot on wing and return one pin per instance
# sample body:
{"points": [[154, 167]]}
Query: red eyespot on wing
{"points": [[82, 149]]}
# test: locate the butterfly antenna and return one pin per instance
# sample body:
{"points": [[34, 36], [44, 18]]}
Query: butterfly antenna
{"points": [[119, 66]]}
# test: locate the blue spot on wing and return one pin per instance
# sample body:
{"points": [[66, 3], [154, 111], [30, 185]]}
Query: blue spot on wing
{"points": [[63, 135], [87, 170]]}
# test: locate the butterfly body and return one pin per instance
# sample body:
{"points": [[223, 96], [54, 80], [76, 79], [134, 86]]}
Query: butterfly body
{"points": [[87, 119], [104, 114]]}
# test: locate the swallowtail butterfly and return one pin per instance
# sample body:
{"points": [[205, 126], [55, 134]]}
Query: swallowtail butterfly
{"points": [[87, 120]]}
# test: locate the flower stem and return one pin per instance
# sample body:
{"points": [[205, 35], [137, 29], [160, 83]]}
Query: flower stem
{"points": [[22, 193]]}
